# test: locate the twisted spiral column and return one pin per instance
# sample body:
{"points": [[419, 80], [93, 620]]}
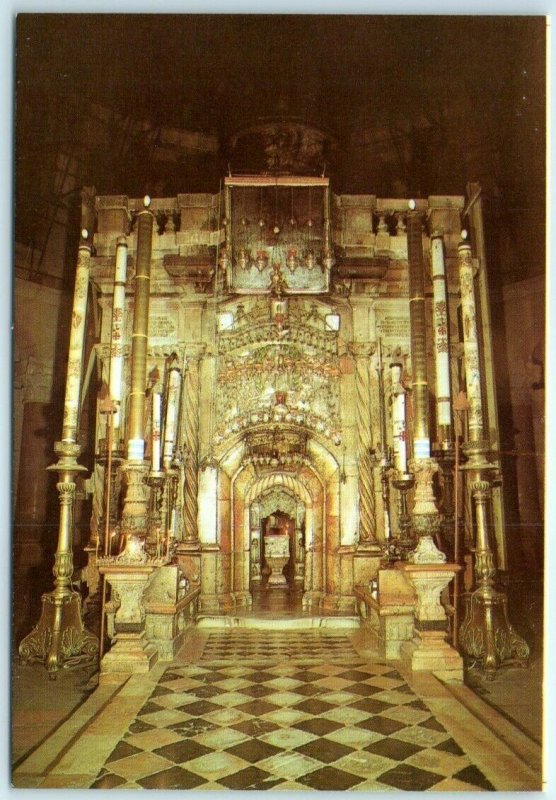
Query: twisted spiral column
{"points": [[367, 518], [191, 448]]}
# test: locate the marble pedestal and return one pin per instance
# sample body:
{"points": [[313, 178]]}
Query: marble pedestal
{"points": [[130, 652], [429, 649], [277, 555]]}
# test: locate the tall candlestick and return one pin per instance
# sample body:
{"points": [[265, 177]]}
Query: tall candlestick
{"points": [[77, 338], [381, 402], [155, 465], [172, 410], [117, 334], [61, 615], [398, 419], [441, 339], [419, 385], [139, 337], [470, 343]]}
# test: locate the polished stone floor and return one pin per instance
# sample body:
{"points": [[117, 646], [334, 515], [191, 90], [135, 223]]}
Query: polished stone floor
{"points": [[336, 726], [279, 710]]}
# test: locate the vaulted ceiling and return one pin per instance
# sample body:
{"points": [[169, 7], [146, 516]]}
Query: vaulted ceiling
{"points": [[415, 104]]}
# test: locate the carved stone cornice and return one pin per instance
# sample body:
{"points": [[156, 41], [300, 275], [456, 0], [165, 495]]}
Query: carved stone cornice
{"points": [[269, 333]]}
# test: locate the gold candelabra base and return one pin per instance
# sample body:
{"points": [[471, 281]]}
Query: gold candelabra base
{"points": [[486, 633], [60, 639]]}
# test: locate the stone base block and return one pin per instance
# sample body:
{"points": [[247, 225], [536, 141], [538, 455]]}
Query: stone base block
{"points": [[430, 652], [394, 631], [168, 649], [312, 601], [130, 654], [243, 600], [366, 563]]}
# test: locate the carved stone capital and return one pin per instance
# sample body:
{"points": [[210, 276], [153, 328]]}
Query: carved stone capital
{"points": [[361, 350]]}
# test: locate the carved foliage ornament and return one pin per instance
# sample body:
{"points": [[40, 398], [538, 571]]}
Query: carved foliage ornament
{"points": [[281, 382]]}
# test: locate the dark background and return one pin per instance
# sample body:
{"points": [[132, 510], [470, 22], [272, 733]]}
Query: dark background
{"points": [[415, 105]]}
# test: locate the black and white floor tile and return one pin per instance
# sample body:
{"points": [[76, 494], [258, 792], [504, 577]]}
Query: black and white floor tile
{"points": [[282, 722]]}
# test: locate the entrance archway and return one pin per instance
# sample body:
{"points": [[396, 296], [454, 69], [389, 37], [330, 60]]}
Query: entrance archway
{"points": [[277, 510], [239, 482]]}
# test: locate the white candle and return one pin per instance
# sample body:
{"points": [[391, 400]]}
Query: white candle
{"points": [[470, 343], [155, 465], [77, 337], [117, 334], [398, 419], [172, 407], [441, 336]]}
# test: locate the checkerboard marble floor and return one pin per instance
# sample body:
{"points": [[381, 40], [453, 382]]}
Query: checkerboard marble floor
{"points": [[236, 645], [255, 712]]}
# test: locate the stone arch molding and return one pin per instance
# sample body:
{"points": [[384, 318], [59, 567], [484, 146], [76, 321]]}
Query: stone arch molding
{"points": [[277, 500], [289, 482]]}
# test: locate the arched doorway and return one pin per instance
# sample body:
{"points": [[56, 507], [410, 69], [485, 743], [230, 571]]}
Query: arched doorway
{"points": [[277, 516], [237, 484]]}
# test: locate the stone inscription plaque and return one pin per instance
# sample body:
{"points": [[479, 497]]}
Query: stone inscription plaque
{"points": [[162, 327], [393, 328]]}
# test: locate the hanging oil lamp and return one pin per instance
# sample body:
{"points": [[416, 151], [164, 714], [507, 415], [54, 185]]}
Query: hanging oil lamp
{"points": [[243, 259], [261, 261], [292, 260], [310, 260]]}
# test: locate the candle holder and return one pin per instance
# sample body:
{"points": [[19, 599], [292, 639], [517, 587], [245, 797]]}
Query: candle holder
{"points": [[445, 455], [117, 458], [172, 478], [486, 634], [156, 481], [382, 457], [60, 639], [404, 482]]}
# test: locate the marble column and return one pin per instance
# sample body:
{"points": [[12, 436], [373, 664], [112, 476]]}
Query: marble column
{"points": [[367, 513], [191, 404]]}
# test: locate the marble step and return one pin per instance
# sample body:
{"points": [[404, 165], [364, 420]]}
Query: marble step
{"points": [[276, 623]]}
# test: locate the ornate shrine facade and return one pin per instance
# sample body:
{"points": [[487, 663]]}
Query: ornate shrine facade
{"points": [[280, 405]]}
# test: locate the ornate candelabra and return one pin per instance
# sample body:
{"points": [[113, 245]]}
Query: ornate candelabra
{"points": [[486, 633], [60, 639]]}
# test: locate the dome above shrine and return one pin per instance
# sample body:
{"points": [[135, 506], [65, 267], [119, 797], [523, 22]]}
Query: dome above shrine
{"points": [[281, 146]]}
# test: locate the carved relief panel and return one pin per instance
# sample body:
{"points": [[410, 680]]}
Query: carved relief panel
{"points": [[278, 373]]}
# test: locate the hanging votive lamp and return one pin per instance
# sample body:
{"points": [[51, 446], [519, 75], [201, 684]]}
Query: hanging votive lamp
{"points": [[243, 259], [291, 260], [310, 259], [262, 260]]}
